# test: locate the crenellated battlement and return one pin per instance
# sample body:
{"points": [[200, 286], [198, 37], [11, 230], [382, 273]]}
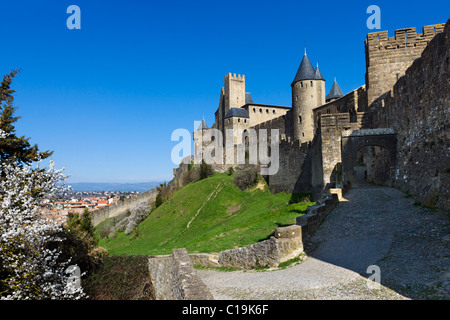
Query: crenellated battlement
{"points": [[405, 37], [387, 58], [235, 76]]}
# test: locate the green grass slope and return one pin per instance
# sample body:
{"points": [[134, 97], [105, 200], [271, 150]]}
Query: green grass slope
{"points": [[209, 215]]}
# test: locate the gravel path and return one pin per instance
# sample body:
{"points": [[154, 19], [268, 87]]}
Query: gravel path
{"points": [[372, 226]]}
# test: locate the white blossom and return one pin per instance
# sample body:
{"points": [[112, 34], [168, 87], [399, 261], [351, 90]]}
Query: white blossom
{"points": [[32, 265]]}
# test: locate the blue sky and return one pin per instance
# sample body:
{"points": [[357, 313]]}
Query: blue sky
{"points": [[106, 98]]}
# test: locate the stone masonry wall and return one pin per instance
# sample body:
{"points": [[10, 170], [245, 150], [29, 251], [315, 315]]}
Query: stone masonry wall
{"points": [[119, 207], [260, 113], [418, 109], [174, 278], [315, 215], [330, 131], [350, 103], [387, 58], [294, 174], [286, 244]]}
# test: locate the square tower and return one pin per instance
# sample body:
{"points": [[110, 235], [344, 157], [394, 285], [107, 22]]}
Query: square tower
{"points": [[387, 58], [234, 91]]}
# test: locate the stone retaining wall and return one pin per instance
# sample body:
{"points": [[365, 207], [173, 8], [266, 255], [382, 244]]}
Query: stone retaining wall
{"points": [[286, 244]]}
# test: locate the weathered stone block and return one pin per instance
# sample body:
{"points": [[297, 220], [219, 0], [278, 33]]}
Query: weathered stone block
{"points": [[293, 231]]}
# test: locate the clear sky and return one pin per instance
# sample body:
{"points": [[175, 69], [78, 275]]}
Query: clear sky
{"points": [[107, 97]]}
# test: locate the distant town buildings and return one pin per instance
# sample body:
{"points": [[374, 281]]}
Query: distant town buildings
{"points": [[77, 203]]}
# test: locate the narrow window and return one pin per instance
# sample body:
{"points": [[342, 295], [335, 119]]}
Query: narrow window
{"points": [[273, 111], [254, 110], [301, 83], [260, 110], [239, 120], [267, 110], [311, 83]]}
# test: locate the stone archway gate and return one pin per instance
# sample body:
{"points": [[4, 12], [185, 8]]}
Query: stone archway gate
{"points": [[354, 140]]}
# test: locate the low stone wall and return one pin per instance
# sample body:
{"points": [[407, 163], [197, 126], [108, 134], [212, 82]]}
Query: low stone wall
{"points": [[205, 259], [315, 215], [174, 278], [286, 244]]}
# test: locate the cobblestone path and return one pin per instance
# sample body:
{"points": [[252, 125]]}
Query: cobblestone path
{"points": [[372, 226]]}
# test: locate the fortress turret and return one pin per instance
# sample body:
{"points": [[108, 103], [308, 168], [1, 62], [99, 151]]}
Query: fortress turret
{"points": [[308, 92], [335, 92], [199, 141]]}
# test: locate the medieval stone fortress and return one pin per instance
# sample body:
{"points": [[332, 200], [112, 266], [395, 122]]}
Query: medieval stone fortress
{"points": [[395, 126]]}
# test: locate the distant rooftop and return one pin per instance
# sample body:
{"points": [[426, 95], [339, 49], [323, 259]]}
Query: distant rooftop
{"points": [[237, 112]]}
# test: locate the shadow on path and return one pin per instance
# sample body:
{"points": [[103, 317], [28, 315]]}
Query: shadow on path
{"points": [[381, 226]]}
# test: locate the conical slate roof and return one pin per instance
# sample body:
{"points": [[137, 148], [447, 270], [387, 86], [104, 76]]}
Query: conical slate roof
{"points": [[203, 125], [319, 74], [335, 91], [305, 71]]}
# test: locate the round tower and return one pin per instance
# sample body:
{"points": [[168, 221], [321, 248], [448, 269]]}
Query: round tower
{"points": [[308, 92]]}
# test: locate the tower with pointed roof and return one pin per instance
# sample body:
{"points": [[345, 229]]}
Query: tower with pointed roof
{"points": [[308, 92], [335, 92]]}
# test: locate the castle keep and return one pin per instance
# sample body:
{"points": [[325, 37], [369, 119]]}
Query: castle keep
{"points": [[392, 130]]}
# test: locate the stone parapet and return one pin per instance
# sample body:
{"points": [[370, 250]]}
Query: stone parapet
{"points": [[286, 244], [315, 215]]}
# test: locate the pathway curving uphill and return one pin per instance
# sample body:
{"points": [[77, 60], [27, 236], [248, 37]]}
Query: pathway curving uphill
{"points": [[372, 226]]}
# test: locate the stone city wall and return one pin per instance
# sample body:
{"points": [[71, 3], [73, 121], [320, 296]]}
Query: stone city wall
{"points": [[119, 207], [418, 109], [387, 58]]}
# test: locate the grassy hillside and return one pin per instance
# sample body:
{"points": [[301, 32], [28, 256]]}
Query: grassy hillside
{"points": [[209, 215]]}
